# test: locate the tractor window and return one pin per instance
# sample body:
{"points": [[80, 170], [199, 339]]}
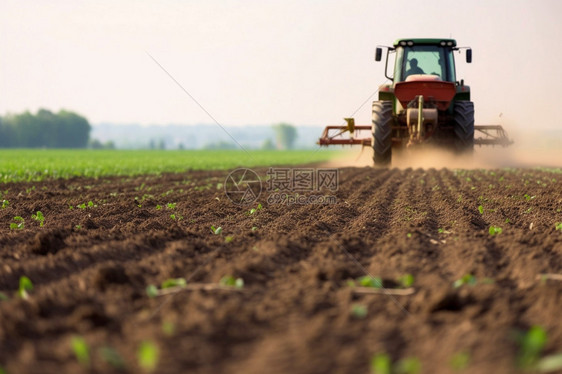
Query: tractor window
{"points": [[425, 59]]}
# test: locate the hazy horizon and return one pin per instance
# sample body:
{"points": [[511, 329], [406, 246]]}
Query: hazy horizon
{"points": [[259, 63]]}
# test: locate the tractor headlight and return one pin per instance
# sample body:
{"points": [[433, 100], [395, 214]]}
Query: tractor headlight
{"points": [[403, 43], [443, 43], [450, 44], [410, 43]]}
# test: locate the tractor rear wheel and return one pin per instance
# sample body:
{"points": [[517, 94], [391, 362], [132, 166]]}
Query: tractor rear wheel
{"points": [[382, 132], [463, 122]]}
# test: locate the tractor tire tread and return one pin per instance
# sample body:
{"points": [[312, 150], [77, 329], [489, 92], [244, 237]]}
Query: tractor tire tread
{"points": [[382, 132]]}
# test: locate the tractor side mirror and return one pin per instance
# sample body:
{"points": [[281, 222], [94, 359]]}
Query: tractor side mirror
{"points": [[469, 55], [378, 54]]}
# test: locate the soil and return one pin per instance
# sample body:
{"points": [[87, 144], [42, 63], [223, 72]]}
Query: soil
{"points": [[296, 313]]}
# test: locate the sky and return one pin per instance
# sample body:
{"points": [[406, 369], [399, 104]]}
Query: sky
{"points": [[305, 62]]}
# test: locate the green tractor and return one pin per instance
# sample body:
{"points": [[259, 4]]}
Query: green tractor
{"points": [[424, 104]]}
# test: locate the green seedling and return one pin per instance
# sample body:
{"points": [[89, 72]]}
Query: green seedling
{"points": [[528, 198], [507, 220], [5, 203], [406, 280], [409, 235], [19, 223], [368, 281], [81, 350], [178, 217], [171, 205], [254, 210], [152, 291], [158, 207], [558, 226], [359, 311], [25, 286], [78, 227], [174, 282], [89, 204], [39, 217], [2, 371], [230, 281], [216, 230], [408, 365], [168, 328], [382, 364], [481, 209], [112, 357], [460, 361], [148, 355], [493, 230], [254, 228], [531, 345], [144, 197], [228, 239], [467, 279]]}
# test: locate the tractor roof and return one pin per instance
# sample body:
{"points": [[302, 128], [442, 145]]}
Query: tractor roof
{"points": [[426, 41]]}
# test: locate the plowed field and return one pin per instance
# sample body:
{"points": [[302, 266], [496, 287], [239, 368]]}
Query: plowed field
{"points": [[90, 266]]}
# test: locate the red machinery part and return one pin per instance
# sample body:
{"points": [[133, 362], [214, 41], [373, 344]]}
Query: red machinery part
{"points": [[431, 87]]}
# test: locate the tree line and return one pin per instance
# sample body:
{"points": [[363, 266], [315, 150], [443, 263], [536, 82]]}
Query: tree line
{"points": [[44, 129]]}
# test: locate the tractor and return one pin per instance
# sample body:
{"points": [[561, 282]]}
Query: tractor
{"points": [[423, 104]]}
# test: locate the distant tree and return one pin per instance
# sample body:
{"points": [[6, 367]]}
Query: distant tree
{"points": [[45, 129], [110, 144], [74, 130], [6, 133], [285, 135], [95, 144], [268, 144]]}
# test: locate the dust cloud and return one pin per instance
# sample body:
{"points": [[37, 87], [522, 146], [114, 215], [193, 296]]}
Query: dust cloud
{"points": [[528, 151]]}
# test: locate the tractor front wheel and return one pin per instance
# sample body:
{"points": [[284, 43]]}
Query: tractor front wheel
{"points": [[464, 126], [382, 132]]}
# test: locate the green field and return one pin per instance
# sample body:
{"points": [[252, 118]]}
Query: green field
{"points": [[37, 164]]}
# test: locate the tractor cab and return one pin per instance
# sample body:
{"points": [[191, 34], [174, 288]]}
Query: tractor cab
{"points": [[432, 57]]}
